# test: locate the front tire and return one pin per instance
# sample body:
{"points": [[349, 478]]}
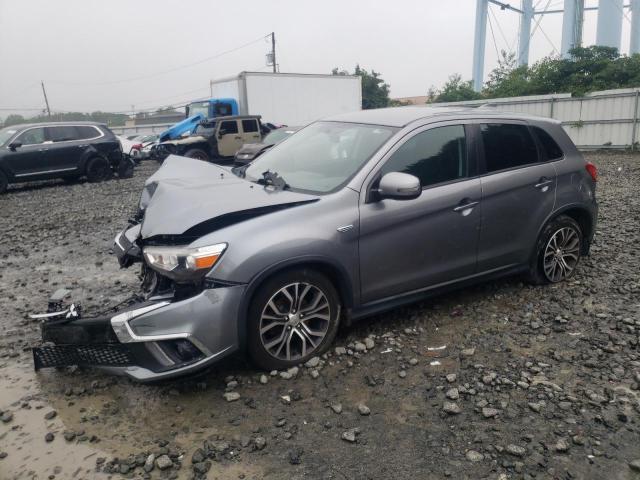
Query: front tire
{"points": [[558, 251], [294, 316], [197, 154]]}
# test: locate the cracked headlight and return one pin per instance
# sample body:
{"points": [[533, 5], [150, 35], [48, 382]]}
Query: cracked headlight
{"points": [[183, 263]]}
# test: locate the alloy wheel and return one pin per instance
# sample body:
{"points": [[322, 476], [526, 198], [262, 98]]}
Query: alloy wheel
{"points": [[295, 321], [561, 254]]}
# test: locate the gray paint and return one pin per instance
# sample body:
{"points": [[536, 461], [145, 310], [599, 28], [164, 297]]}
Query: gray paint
{"points": [[382, 250]]}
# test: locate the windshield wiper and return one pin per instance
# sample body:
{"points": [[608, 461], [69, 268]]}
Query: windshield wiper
{"points": [[273, 179], [239, 171]]}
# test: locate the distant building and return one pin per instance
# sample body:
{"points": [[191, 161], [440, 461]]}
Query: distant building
{"points": [[419, 100], [170, 117]]}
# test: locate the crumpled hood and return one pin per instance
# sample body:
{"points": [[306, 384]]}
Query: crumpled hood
{"points": [[185, 193], [186, 141]]}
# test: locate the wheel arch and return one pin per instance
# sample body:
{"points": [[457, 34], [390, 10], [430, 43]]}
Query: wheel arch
{"points": [[583, 218], [336, 273], [87, 156], [581, 215]]}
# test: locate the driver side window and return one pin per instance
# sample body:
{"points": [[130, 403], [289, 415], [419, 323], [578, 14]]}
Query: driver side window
{"points": [[33, 136], [435, 156], [229, 127]]}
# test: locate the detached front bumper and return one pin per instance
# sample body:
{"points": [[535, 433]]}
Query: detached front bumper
{"points": [[151, 340]]}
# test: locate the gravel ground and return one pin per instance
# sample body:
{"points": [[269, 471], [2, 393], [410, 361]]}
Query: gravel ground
{"points": [[499, 381]]}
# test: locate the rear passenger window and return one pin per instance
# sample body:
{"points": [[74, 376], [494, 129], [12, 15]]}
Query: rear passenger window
{"points": [[507, 146], [85, 132], [434, 156], [229, 127], [550, 148], [63, 133], [249, 126]]}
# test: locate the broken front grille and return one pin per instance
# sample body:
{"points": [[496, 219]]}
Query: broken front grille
{"points": [[97, 355]]}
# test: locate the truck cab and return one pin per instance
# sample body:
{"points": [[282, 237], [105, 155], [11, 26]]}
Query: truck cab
{"points": [[213, 108], [197, 112], [216, 138]]}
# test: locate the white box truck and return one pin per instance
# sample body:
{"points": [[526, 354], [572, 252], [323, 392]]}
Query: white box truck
{"points": [[293, 99]]}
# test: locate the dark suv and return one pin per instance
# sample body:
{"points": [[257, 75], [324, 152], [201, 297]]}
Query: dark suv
{"points": [[60, 150]]}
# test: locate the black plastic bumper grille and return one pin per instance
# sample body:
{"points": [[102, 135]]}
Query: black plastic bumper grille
{"points": [[65, 355]]}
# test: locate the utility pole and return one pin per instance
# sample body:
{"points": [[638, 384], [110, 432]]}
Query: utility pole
{"points": [[482, 7], [273, 52], [46, 101], [525, 32]]}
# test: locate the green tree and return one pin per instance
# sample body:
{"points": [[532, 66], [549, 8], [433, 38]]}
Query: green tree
{"points": [[455, 90], [588, 69], [507, 79], [13, 119], [375, 91]]}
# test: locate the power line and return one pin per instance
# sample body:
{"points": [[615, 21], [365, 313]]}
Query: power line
{"points": [[164, 72], [508, 44], [495, 44], [548, 39], [21, 108], [540, 17]]}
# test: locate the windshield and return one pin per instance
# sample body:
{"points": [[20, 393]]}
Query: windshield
{"points": [[322, 156], [6, 134], [205, 129], [276, 136], [199, 107]]}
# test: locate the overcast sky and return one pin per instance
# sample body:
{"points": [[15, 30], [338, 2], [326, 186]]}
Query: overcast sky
{"points": [[110, 55]]}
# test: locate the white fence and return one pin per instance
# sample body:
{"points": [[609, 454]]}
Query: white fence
{"points": [[606, 119], [141, 129]]}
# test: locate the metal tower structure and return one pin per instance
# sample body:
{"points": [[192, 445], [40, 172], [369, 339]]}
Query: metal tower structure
{"points": [[572, 19], [609, 29]]}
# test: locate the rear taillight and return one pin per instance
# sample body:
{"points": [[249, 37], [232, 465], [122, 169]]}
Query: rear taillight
{"points": [[137, 146], [593, 171]]}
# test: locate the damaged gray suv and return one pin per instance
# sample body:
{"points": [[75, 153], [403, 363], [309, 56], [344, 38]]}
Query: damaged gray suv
{"points": [[348, 217]]}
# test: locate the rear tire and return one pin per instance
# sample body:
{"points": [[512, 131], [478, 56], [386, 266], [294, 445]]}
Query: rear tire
{"points": [[4, 183], [293, 317], [197, 154], [557, 253], [98, 170]]}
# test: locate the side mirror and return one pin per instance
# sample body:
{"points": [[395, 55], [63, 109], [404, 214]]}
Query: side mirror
{"points": [[14, 145], [221, 133], [399, 186]]}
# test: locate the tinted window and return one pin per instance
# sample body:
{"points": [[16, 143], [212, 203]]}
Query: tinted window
{"points": [[229, 127], [434, 156], [249, 126], [62, 134], [31, 137], [549, 146], [223, 109], [84, 132], [507, 146]]}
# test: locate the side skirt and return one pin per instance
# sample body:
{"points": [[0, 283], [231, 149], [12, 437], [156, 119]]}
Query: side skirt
{"points": [[386, 304]]}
